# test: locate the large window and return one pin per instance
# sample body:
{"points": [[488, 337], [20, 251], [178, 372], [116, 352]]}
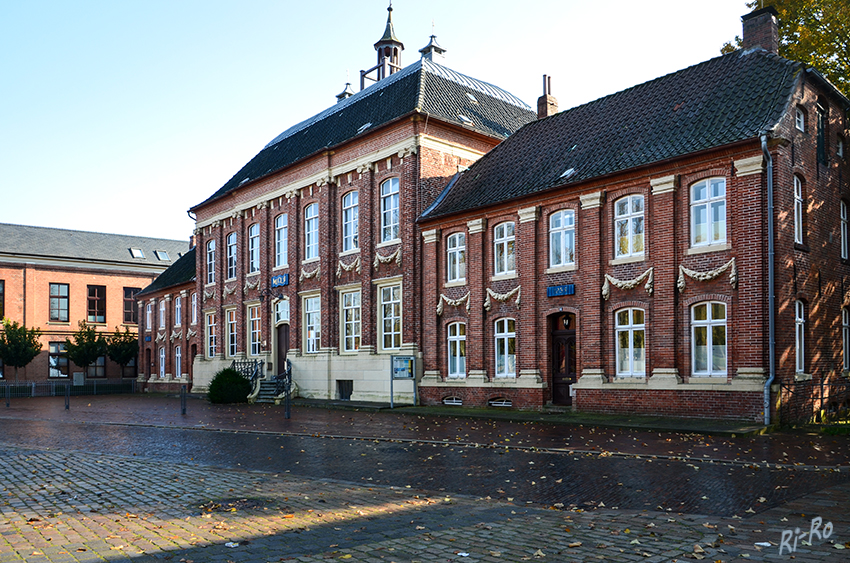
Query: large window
{"points": [[178, 361], [254, 332], [708, 327], [281, 241], [98, 368], [562, 238], [57, 360], [456, 257], [800, 336], [194, 308], [162, 362], [311, 231], [312, 324], [211, 261], [504, 249], [162, 313], [148, 316], [390, 316], [350, 221], [2, 302], [131, 308], [708, 212], [845, 235], [506, 348], [96, 304], [351, 321], [457, 350], [798, 210], [59, 302], [254, 248], [230, 321], [845, 337], [178, 310], [212, 348], [628, 226], [389, 210], [231, 255], [631, 343]]}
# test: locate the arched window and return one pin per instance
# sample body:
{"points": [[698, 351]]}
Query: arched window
{"points": [[350, 221], [311, 231], [194, 308], [798, 210], [506, 348], [631, 343], [211, 261], [504, 251], [456, 257], [231, 255], [162, 362], [628, 226], [800, 336], [457, 350], [281, 241], [389, 210], [708, 338], [254, 248], [562, 241], [708, 212]]}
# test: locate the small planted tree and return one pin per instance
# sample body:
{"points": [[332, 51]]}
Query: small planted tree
{"points": [[122, 347], [18, 345], [85, 346], [229, 386]]}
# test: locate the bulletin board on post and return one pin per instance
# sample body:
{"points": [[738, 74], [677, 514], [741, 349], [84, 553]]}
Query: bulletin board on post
{"points": [[402, 368]]}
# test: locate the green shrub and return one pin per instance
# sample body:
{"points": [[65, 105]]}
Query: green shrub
{"points": [[229, 386]]}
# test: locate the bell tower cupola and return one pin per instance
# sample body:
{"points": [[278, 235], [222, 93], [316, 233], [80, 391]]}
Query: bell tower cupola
{"points": [[389, 50]]}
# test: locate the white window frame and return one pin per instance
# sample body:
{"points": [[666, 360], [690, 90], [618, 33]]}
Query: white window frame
{"points": [[211, 342], [390, 210], [148, 316], [839, 148], [456, 257], [709, 324], [798, 210], [562, 241], [194, 308], [281, 311], [312, 324], [351, 320], [800, 120], [255, 332], [845, 336], [211, 262], [311, 231], [845, 233], [232, 332], [390, 316], [254, 248], [230, 243], [632, 329], [281, 241], [350, 221], [715, 227], [800, 337], [456, 350], [178, 361], [505, 340], [162, 362], [504, 249], [635, 226], [178, 310], [162, 313]]}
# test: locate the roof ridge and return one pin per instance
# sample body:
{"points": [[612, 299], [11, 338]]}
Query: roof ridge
{"points": [[18, 225]]}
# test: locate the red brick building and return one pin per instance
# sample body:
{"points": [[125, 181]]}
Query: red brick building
{"points": [[53, 278], [617, 256], [311, 252]]}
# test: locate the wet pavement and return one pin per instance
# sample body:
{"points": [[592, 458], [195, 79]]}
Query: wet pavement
{"points": [[131, 471]]}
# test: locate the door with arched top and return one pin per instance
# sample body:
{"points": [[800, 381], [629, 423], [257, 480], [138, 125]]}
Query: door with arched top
{"points": [[564, 358]]}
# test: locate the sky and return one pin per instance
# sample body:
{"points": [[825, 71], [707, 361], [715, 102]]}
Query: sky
{"points": [[118, 117]]}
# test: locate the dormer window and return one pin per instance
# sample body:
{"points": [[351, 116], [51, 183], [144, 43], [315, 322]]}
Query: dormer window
{"points": [[137, 253], [161, 255], [465, 120], [472, 98]]}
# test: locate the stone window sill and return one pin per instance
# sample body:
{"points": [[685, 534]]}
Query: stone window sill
{"points": [[456, 283], [349, 252], [707, 248], [627, 260], [800, 376], [388, 243], [509, 276], [564, 268]]}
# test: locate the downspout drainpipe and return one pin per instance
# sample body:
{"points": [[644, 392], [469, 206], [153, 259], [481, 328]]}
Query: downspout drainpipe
{"points": [[771, 300]]}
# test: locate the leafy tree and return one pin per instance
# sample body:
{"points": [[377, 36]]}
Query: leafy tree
{"points": [[229, 386], [18, 345], [122, 347], [815, 32], [85, 346]]}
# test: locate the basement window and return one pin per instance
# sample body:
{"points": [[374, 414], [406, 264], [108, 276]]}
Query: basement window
{"points": [[499, 402], [453, 401], [137, 253]]}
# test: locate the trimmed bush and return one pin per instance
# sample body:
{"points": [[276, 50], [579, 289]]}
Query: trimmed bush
{"points": [[229, 386]]}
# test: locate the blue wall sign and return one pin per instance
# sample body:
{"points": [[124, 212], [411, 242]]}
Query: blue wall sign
{"points": [[280, 280], [147, 338], [559, 290]]}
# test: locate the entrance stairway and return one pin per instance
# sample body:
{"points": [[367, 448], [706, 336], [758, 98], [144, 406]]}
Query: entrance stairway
{"points": [[268, 391]]}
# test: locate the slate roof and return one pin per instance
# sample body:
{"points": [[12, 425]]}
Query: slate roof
{"points": [[720, 101], [182, 271], [424, 87], [46, 242]]}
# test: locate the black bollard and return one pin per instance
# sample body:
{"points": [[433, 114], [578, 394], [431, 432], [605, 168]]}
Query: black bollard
{"points": [[67, 396], [182, 399], [7, 396]]}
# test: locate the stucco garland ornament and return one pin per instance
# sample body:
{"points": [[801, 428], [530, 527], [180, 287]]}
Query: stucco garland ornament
{"points": [[161, 337], [251, 285], [208, 294], [354, 265], [309, 275], [706, 276], [387, 259], [629, 284], [503, 296], [452, 303], [229, 291], [175, 335], [191, 333]]}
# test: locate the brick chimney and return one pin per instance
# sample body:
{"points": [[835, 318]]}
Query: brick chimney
{"points": [[546, 104], [761, 29]]}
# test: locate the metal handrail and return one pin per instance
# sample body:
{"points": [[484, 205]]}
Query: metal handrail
{"points": [[283, 385]]}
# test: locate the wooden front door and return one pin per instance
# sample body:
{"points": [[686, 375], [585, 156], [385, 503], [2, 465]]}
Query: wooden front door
{"points": [[282, 347], [564, 359]]}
